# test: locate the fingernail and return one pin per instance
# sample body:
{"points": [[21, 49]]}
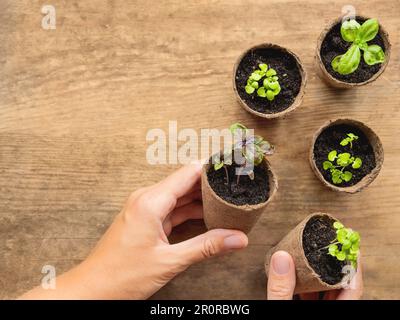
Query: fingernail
{"points": [[234, 242], [281, 262]]}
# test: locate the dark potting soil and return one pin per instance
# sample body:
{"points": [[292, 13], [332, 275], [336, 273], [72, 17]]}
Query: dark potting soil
{"points": [[246, 192], [329, 140], [289, 79], [333, 45], [317, 234]]}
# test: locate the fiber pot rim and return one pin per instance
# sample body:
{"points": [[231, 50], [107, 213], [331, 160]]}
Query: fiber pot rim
{"points": [[376, 145], [272, 179], [338, 285], [299, 98], [340, 83]]}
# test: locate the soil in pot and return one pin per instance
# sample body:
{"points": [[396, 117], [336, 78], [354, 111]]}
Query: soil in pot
{"points": [[333, 45], [330, 139], [317, 234], [248, 191], [289, 79]]}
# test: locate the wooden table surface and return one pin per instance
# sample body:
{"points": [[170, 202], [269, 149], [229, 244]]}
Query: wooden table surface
{"points": [[76, 104]]}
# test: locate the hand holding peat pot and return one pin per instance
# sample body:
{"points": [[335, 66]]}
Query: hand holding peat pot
{"points": [[269, 81], [235, 193], [346, 155], [352, 53], [324, 252]]}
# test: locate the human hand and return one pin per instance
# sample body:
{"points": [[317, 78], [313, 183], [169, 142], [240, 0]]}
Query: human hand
{"points": [[134, 258], [282, 281]]}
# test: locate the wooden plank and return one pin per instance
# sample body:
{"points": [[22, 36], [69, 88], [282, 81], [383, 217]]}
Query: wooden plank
{"points": [[76, 104]]}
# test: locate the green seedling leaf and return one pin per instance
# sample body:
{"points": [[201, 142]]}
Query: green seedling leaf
{"points": [[250, 89], [335, 63], [266, 148], [327, 165], [347, 175], [346, 244], [255, 76], [218, 165], [343, 159], [357, 163], [341, 256], [333, 249], [368, 31], [341, 235], [352, 136], [271, 72], [354, 237], [344, 142], [270, 95], [349, 30], [332, 155], [273, 85], [373, 55], [261, 92], [263, 67], [336, 178], [349, 62], [238, 126], [337, 225], [255, 85]]}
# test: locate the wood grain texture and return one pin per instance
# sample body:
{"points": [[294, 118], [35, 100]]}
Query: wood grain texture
{"points": [[76, 104]]}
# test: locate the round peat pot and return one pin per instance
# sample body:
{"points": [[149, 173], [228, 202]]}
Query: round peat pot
{"points": [[316, 270], [291, 77], [367, 147], [330, 44], [223, 202]]}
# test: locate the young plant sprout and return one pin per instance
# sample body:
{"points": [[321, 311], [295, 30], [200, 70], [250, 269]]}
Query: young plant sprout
{"points": [[345, 247], [269, 87], [343, 160], [252, 148], [358, 35], [349, 140]]}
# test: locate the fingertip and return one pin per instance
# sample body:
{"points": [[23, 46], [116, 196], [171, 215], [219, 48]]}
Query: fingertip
{"points": [[281, 262]]}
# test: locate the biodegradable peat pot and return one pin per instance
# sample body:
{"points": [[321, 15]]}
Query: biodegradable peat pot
{"points": [[219, 213], [368, 147], [316, 270], [292, 79], [330, 44]]}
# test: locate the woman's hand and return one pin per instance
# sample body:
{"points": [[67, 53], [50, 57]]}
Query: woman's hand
{"points": [[134, 259], [282, 281]]}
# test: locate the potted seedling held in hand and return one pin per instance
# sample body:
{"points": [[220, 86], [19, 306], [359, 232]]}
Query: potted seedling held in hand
{"points": [[324, 252], [238, 183], [352, 52]]}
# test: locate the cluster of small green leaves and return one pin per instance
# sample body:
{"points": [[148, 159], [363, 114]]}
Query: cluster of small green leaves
{"points": [[252, 148], [343, 160], [358, 35], [268, 77], [346, 245]]}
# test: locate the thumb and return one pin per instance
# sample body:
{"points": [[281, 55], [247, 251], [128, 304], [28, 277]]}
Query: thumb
{"points": [[281, 277], [209, 244]]}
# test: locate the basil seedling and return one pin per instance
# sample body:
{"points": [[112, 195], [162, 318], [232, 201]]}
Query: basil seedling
{"points": [[359, 35], [265, 81], [343, 160], [252, 148], [346, 245]]}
